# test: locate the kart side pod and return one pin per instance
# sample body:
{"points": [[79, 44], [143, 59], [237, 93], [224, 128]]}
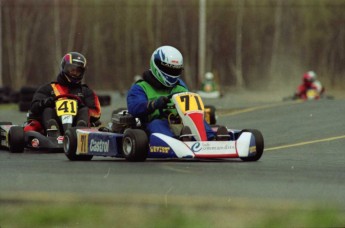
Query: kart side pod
{"points": [[253, 140]]}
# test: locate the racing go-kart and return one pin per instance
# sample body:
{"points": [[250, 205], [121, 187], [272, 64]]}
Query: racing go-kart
{"points": [[311, 94], [127, 139], [16, 139]]}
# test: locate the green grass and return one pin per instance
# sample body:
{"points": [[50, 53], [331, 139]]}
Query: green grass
{"points": [[94, 215], [10, 106], [152, 211]]}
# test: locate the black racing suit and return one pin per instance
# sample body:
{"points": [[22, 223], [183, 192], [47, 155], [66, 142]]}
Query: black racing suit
{"points": [[89, 109]]}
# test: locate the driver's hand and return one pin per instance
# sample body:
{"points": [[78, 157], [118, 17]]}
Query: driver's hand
{"points": [[48, 102], [159, 103]]}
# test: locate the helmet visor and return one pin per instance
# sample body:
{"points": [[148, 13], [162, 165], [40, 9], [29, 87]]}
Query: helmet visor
{"points": [[170, 79], [170, 69], [74, 71]]}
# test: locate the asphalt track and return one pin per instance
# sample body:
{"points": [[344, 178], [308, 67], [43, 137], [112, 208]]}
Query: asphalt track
{"points": [[303, 162]]}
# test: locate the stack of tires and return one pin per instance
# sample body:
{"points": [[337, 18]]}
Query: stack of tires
{"points": [[24, 97], [26, 94], [104, 100], [7, 95], [4, 95]]}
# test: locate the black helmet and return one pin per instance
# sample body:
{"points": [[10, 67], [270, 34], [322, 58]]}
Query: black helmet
{"points": [[73, 66]]}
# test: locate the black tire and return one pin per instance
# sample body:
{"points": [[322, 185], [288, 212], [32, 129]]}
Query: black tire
{"points": [[211, 119], [16, 139], [25, 97], [24, 106], [5, 93], [259, 142], [26, 93], [135, 145], [14, 97], [5, 90], [70, 146], [104, 100], [28, 90]]}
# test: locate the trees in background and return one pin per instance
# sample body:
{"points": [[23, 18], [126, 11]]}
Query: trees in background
{"points": [[249, 43]]}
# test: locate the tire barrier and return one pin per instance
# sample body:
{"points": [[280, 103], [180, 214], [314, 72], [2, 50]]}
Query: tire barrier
{"points": [[104, 100], [26, 94], [7, 95]]}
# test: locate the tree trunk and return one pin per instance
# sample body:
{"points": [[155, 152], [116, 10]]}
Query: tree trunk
{"points": [[57, 32], [238, 66], [73, 25], [275, 44]]}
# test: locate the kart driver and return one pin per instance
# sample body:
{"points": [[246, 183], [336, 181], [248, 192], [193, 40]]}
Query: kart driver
{"points": [[42, 113], [147, 96], [309, 82], [209, 85]]}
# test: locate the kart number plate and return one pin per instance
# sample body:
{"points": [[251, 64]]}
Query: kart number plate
{"points": [[312, 93], [67, 119], [188, 102], [66, 107]]}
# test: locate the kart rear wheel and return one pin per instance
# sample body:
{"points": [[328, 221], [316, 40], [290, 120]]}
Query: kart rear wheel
{"points": [[70, 146], [135, 145], [16, 139], [210, 114], [259, 144]]}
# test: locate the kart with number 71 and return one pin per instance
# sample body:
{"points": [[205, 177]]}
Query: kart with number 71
{"points": [[126, 138]]}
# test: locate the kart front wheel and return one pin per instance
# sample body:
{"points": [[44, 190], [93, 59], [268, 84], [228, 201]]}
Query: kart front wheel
{"points": [[16, 139], [70, 146], [135, 145], [259, 145]]}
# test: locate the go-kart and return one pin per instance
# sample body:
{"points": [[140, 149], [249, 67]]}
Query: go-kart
{"points": [[209, 113], [311, 94], [4, 129], [125, 138], [16, 139]]}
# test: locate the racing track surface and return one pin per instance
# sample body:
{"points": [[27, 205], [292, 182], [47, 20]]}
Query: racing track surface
{"points": [[303, 162]]}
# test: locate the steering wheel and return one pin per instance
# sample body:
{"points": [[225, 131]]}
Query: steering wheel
{"points": [[70, 96]]}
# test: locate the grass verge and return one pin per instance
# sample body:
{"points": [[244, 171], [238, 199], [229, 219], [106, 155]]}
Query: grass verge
{"points": [[73, 210]]}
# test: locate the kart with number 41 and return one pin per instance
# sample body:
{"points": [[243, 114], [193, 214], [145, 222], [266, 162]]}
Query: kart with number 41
{"points": [[16, 139]]}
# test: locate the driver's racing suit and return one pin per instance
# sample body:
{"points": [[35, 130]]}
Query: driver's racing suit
{"points": [[89, 110]]}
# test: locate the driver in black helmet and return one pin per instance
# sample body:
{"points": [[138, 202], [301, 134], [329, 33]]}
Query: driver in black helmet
{"points": [[69, 81]]}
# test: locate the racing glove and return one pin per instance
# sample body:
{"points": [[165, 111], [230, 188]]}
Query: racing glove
{"points": [[48, 102], [159, 103]]}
